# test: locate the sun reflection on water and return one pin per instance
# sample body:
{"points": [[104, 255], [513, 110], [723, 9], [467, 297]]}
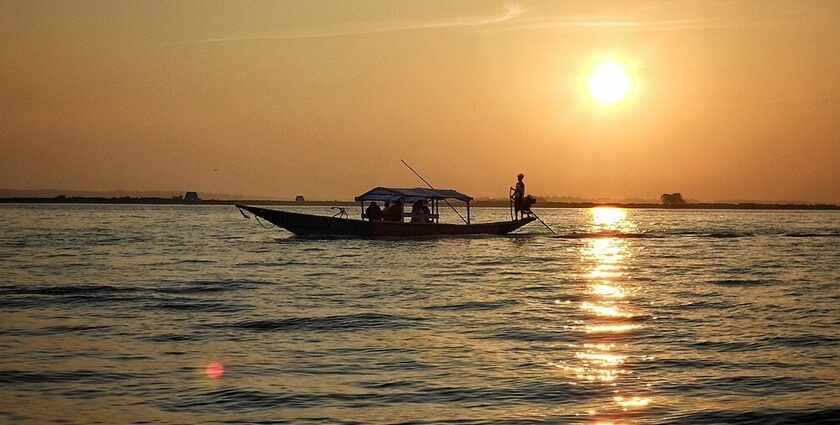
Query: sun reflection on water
{"points": [[608, 215], [609, 315], [603, 272], [607, 290], [604, 359], [610, 219], [632, 402], [606, 309], [606, 251], [590, 329]]}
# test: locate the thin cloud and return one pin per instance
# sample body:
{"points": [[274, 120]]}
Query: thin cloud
{"points": [[512, 11], [607, 25]]}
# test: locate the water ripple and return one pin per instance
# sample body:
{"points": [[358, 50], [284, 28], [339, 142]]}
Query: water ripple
{"points": [[342, 323]]}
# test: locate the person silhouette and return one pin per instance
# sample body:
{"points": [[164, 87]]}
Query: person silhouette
{"points": [[373, 212], [519, 196]]}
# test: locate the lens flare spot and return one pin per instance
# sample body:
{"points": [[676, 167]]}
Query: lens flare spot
{"points": [[214, 370]]}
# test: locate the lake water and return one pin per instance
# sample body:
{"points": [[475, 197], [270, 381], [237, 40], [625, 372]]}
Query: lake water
{"points": [[118, 314]]}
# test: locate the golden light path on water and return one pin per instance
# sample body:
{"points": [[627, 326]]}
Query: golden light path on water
{"points": [[608, 313]]}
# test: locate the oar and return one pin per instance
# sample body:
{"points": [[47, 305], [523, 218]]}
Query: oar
{"points": [[543, 223], [430, 187]]}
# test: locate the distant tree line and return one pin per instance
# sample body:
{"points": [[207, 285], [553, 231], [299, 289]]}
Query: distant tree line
{"points": [[672, 199]]}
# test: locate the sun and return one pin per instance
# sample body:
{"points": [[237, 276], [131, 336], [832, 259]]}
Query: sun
{"points": [[608, 83]]}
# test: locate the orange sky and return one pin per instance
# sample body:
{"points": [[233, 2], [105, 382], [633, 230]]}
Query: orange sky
{"points": [[729, 100]]}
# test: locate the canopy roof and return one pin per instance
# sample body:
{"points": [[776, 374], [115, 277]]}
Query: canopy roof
{"points": [[411, 195]]}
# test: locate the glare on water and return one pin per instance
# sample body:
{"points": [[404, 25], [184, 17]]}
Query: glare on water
{"points": [[609, 303]]}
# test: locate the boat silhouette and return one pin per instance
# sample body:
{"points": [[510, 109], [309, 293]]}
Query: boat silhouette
{"points": [[340, 225]]}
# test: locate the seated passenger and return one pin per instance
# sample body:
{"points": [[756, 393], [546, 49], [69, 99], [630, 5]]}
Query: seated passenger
{"points": [[373, 213], [394, 212], [398, 211], [417, 214], [386, 211], [427, 214]]}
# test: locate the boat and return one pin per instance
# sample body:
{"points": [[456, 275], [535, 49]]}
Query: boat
{"points": [[341, 225]]}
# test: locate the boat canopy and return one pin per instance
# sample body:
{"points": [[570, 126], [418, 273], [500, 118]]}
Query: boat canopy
{"points": [[411, 195]]}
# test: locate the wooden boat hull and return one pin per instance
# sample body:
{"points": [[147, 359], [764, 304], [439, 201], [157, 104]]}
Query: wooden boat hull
{"points": [[322, 226]]}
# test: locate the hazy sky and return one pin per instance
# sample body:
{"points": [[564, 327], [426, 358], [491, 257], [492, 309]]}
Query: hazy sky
{"points": [[728, 100]]}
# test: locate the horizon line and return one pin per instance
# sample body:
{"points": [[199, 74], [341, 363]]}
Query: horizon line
{"points": [[6, 193]]}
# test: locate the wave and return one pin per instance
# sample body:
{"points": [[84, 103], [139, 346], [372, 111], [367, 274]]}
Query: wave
{"points": [[619, 235], [768, 342], [812, 235], [192, 305], [344, 323], [728, 235], [231, 399], [473, 306], [747, 385], [818, 416], [716, 234], [169, 296], [83, 376], [83, 289], [723, 234], [805, 341], [726, 346], [24, 297], [168, 338], [206, 286], [705, 304], [57, 330], [175, 261], [530, 335], [163, 287], [744, 282]]}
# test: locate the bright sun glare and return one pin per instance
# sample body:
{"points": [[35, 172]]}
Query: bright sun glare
{"points": [[608, 83]]}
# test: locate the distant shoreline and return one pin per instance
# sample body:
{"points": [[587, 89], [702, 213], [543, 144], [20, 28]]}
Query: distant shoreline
{"points": [[489, 203]]}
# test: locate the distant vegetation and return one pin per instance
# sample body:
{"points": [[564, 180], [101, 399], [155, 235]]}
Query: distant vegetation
{"points": [[672, 199], [668, 200]]}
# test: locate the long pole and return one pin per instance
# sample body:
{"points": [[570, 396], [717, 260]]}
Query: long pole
{"points": [[543, 223], [431, 187]]}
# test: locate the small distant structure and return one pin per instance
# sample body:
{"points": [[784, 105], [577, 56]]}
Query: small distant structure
{"points": [[299, 199], [191, 197], [672, 199]]}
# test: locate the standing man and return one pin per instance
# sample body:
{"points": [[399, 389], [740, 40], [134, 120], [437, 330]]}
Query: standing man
{"points": [[519, 195]]}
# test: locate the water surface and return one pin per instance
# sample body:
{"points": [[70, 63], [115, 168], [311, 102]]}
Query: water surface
{"points": [[111, 314]]}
